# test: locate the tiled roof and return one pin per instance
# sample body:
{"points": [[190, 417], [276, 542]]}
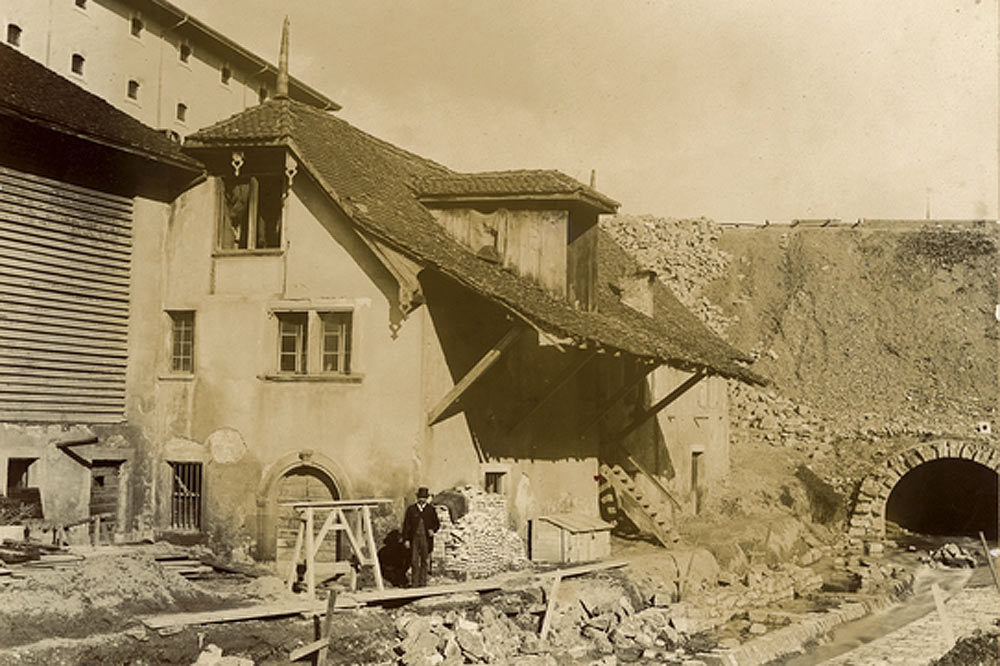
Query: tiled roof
{"points": [[372, 181], [31, 91], [536, 183]]}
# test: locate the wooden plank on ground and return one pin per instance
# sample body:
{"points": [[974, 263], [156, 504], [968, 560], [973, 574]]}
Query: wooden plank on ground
{"points": [[354, 601], [228, 615]]}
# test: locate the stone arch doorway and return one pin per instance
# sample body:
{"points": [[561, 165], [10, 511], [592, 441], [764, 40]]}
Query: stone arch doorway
{"points": [[901, 476], [305, 475]]}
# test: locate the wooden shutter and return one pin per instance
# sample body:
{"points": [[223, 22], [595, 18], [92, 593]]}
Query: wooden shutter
{"points": [[64, 300]]}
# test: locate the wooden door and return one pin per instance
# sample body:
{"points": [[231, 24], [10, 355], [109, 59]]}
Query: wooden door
{"points": [[104, 487], [304, 484]]}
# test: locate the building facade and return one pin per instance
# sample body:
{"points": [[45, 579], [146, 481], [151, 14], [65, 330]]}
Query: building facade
{"points": [[147, 58], [291, 309]]}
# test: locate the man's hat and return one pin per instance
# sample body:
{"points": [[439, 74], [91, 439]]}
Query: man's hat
{"points": [[423, 492]]}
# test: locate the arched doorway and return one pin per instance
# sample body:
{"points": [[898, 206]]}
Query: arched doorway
{"points": [[304, 483], [939, 464], [305, 475]]}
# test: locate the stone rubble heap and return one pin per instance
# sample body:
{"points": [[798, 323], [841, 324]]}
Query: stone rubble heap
{"points": [[953, 555], [684, 255], [480, 543], [607, 620]]}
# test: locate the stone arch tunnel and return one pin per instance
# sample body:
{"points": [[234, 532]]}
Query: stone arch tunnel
{"points": [[944, 488]]}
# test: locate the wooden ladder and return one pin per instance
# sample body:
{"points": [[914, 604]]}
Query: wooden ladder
{"points": [[646, 513]]}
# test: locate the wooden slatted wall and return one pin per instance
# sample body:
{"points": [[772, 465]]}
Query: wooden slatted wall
{"points": [[64, 299]]}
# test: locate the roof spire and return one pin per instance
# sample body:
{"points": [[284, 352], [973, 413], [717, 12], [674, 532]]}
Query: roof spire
{"points": [[281, 89]]}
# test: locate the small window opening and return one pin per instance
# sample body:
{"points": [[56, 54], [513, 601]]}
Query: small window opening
{"points": [[136, 27], [336, 342], [225, 74], [182, 341], [251, 213], [19, 474], [262, 94], [76, 64], [494, 482], [292, 336], [82, 4], [182, 111], [185, 497], [133, 89], [13, 34], [99, 481], [185, 52], [697, 478]]}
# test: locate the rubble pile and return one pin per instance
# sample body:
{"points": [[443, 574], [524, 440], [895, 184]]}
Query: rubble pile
{"points": [[604, 618], [684, 254], [480, 543], [952, 555]]}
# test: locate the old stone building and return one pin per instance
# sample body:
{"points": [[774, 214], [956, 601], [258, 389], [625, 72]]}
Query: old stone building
{"points": [[290, 308]]}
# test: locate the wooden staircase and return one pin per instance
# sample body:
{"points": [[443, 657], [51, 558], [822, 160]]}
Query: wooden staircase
{"points": [[647, 513]]}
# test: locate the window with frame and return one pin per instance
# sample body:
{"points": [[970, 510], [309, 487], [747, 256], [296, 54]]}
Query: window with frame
{"points": [[293, 338], [336, 342], [250, 213], [182, 341], [14, 34], [185, 495], [317, 343]]}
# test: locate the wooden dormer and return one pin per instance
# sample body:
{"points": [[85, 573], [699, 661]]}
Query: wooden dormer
{"points": [[541, 225]]}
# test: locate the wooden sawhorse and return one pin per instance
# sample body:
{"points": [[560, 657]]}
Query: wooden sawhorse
{"points": [[336, 521]]}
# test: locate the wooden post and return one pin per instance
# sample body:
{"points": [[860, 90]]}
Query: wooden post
{"points": [[989, 560], [331, 604], [293, 567], [366, 516], [310, 554], [550, 607]]}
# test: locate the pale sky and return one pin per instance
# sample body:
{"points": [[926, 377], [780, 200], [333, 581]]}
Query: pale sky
{"points": [[731, 109]]}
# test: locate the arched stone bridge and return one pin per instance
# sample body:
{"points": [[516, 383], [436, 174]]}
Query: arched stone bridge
{"points": [[868, 518]]}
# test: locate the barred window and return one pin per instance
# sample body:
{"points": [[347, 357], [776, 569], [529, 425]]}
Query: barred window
{"points": [[185, 496]]}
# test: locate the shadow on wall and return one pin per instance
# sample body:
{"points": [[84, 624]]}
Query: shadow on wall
{"points": [[499, 406]]}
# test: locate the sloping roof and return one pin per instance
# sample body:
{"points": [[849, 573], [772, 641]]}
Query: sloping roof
{"points": [[534, 183], [32, 92], [371, 180]]}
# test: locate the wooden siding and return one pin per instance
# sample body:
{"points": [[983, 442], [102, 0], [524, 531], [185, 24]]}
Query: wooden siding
{"points": [[65, 254], [581, 263], [532, 243]]}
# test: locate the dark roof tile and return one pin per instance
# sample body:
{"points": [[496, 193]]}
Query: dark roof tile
{"points": [[372, 181], [536, 183], [31, 91]]}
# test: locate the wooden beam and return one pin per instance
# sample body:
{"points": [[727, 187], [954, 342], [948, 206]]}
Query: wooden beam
{"points": [[627, 388], [656, 408], [477, 371], [555, 385], [354, 601], [550, 607]]}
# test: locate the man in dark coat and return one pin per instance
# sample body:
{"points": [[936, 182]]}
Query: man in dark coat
{"points": [[419, 525]]}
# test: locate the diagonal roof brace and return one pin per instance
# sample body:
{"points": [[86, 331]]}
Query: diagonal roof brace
{"points": [[659, 406], [473, 375]]}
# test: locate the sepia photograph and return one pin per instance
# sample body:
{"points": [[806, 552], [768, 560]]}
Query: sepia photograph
{"points": [[527, 332]]}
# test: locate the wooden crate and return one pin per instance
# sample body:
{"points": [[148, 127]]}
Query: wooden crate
{"points": [[569, 537]]}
